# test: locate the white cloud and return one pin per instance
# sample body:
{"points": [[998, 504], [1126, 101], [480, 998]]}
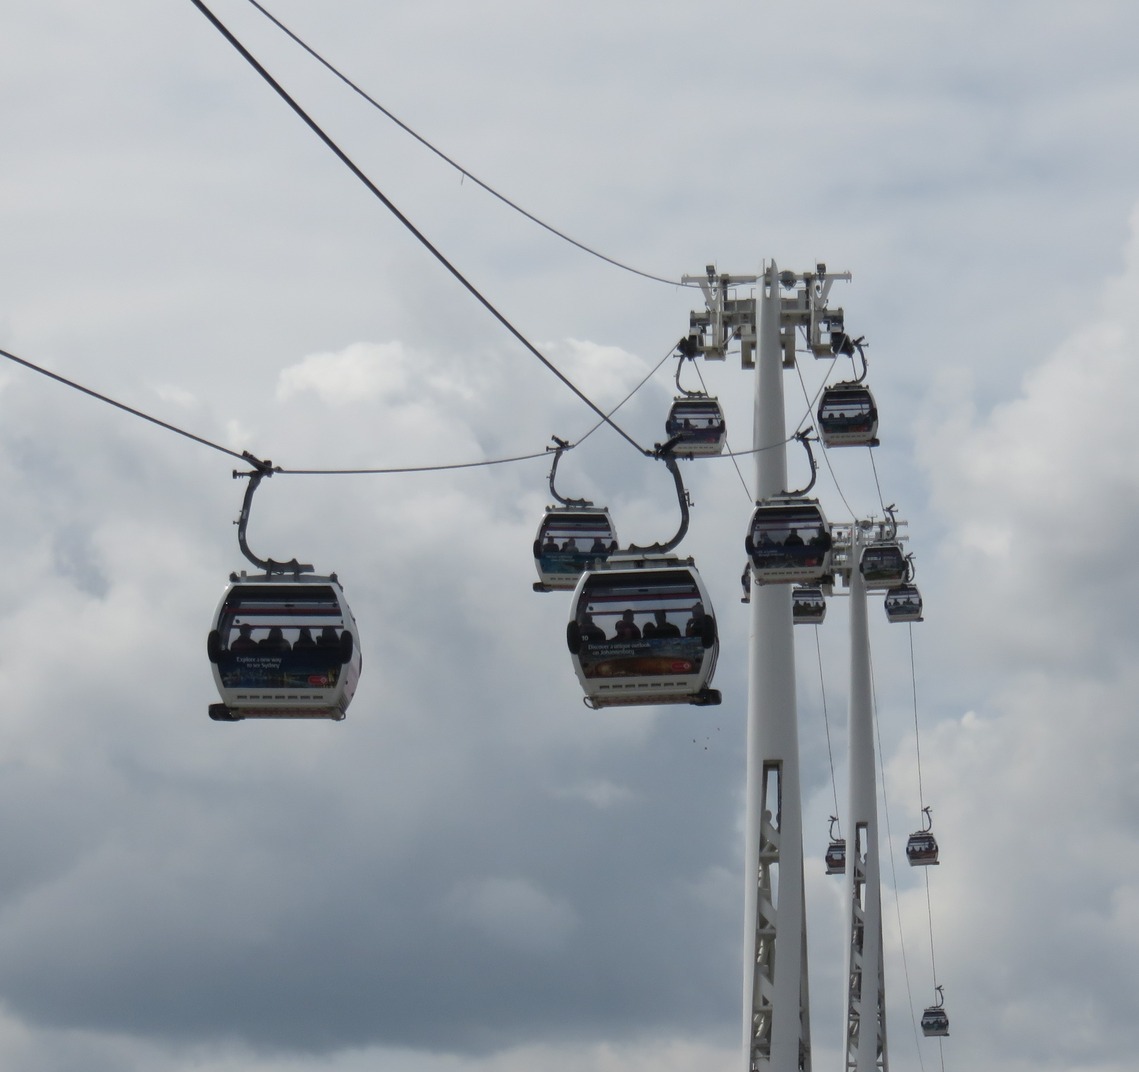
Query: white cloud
{"points": [[358, 373], [179, 894]]}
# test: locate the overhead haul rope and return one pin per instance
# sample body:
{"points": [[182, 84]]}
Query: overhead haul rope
{"points": [[921, 801], [422, 238], [120, 405], [893, 863], [458, 167], [810, 416], [245, 455], [827, 724]]}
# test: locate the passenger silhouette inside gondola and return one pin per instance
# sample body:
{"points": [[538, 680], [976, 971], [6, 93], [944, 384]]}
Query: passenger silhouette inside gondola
{"points": [[304, 639], [328, 637], [570, 544], [793, 539], [821, 539], [695, 624], [275, 641], [661, 627], [590, 630], [244, 640], [627, 628], [550, 545]]}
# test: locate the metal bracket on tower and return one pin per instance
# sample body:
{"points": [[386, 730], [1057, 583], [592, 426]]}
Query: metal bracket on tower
{"points": [[807, 309], [724, 319]]}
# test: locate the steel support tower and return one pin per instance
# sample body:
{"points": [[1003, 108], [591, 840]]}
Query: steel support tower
{"points": [[777, 1032], [865, 1042], [776, 996]]}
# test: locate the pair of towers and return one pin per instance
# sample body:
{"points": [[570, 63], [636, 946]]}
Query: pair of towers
{"points": [[776, 1013]]}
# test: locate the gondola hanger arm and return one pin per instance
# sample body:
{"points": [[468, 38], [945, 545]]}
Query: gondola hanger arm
{"points": [[560, 447], [804, 437], [261, 470], [664, 453]]}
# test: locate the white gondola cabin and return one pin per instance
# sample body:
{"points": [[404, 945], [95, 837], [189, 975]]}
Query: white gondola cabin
{"points": [[789, 542], [921, 849], [847, 416], [934, 1019], [643, 632], [697, 423], [835, 857], [903, 604], [571, 539], [283, 647], [883, 565], [808, 605]]}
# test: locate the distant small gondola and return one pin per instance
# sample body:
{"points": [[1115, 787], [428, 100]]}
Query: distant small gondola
{"points": [[934, 1019], [847, 416], [571, 539], [643, 632], [883, 565], [921, 848], [283, 647], [835, 857], [697, 424], [808, 605], [789, 542], [903, 604]]}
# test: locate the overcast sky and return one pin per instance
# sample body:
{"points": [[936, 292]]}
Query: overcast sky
{"points": [[473, 872]]}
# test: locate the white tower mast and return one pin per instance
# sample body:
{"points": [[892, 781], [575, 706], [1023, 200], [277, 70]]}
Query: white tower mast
{"points": [[776, 1013], [865, 1042], [776, 1008]]}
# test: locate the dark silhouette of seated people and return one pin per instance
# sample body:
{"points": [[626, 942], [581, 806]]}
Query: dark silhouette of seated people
{"points": [[244, 640], [661, 628], [304, 639], [821, 539], [570, 544], [627, 628], [328, 638], [590, 630], [695, 624], [275, 641], [793, 539], [598, 547], [550, 545]]}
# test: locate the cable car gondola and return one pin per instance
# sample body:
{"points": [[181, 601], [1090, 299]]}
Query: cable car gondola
{"points": [[835, 857], [921, 848], [283, 644], [808, 605], [847, 416], [883, 565], [643, 632], [571, 539], [934, 1019], [903, 604], [283, 647], [789, 541], [696, 423]]}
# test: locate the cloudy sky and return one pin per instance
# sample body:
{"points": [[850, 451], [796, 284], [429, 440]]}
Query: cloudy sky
{"points": [[473, 872]]}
